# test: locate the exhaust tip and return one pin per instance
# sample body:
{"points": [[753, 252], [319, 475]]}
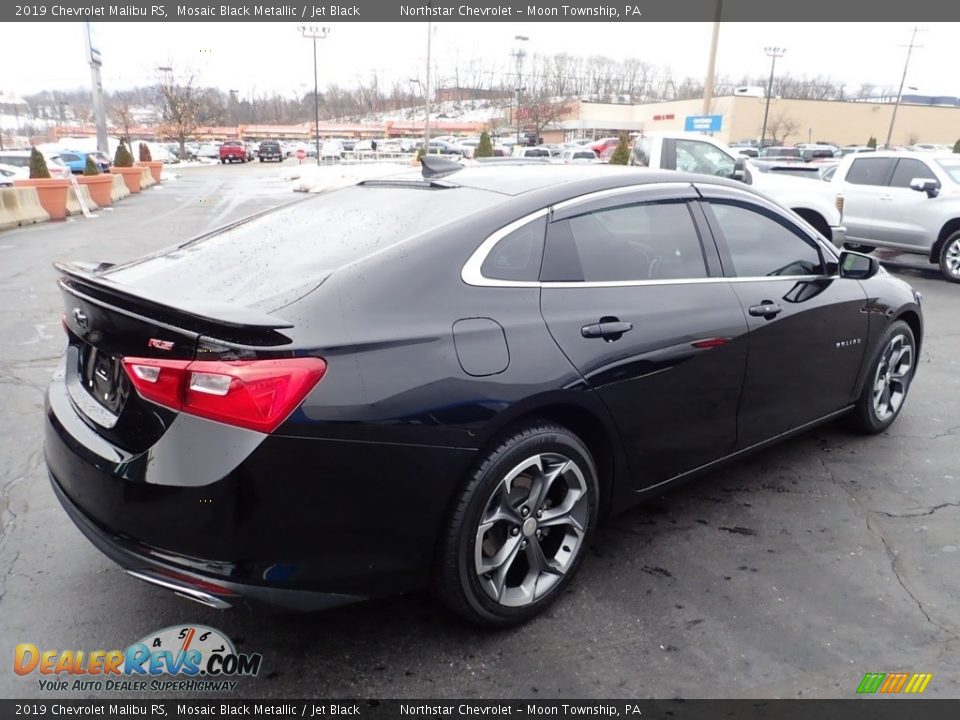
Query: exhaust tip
{"points": [[180, 585]]}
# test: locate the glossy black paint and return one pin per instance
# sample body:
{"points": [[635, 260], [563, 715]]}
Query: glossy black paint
{"points": [[348, 496]]}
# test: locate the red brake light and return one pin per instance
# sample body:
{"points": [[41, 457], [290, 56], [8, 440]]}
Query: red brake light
{"points": [[254, 394]]}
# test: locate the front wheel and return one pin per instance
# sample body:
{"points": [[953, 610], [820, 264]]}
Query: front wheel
{"points": [[857, 247], [518, 533], [950, 258], [888, 380]]}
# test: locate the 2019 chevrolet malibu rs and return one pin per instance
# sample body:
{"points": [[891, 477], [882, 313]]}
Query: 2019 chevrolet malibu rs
{"points": [[448, 379]]}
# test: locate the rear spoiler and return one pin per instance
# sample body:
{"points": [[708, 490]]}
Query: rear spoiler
{"points": [[234, 316]]}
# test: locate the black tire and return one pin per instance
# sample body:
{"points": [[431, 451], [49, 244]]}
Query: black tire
{"points": [[865, 417], [950, 258], [457, 580], [856, 247]]}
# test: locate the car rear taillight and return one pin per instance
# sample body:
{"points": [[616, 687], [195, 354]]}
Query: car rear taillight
{"points": [[254, 394]]}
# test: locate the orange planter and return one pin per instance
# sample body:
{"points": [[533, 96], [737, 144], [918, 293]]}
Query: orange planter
{"points": [[52, 193], [100, 187], [131, 176], [156, 168]]}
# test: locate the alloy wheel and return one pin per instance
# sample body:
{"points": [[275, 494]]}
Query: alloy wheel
{"points": [[531, 529], [951, 258], [892, 378]]}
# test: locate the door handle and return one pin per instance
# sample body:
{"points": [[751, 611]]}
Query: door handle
{"points": [[609, 329], [766, 309]]}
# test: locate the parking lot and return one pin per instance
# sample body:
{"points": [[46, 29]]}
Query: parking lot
{"points": [[790, 574]]}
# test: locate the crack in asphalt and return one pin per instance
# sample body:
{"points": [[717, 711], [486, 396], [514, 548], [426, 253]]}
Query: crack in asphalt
{"points": [[891, 555], [927, 511]]}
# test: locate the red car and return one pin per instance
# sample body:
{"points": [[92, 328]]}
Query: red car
{"points": [[600, 145], [233, 151]]}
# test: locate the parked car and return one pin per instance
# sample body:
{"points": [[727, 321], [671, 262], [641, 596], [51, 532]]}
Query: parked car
{"points": [[374, 391], [208, 150], [9, 173], [524, 151], [580, 155], [76, 160], [330, 150], [232, 151], [854, 149], [781, 154], [599, 146], [270, 150], [21, 158], [443, 147], [908, 202], [252, 150]]}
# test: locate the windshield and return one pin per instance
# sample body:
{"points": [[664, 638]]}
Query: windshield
{"points": [[952, 168]]}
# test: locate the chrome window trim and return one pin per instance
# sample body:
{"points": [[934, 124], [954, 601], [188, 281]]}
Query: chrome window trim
{"points": [[471, 274]]}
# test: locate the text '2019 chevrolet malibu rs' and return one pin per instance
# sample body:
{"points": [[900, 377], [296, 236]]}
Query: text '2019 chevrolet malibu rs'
{"points": [[447, 380]]}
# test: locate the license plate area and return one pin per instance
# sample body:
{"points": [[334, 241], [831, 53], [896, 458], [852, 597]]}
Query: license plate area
{"points": [[101, 375]]}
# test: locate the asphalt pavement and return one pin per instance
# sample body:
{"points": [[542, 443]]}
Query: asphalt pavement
{"points": [[790, 574]]}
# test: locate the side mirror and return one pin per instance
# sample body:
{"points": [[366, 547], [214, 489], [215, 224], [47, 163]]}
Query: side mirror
{"points": [[857, 266], [926, 185], [739, 169]]}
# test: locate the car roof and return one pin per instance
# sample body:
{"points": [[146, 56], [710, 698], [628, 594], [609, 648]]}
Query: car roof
{"points": [[565, 180]]}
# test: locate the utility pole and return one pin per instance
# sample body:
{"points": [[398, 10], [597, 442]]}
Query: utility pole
{"points": [[903, 79], [518, 55], [712, 63], [315, 33], [773, 53], [426, 94], [99, 109], [235, 101]]}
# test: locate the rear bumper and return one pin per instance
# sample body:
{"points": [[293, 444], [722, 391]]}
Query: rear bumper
{"points": [[297, 522]]}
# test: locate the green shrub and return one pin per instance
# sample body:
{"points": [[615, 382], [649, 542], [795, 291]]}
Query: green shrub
{"points": [[872, 142], [621, 156], [421, 151], [145, 153], [90, 167], [485, 148], [956, 146], [38, 165], [122, 158]]}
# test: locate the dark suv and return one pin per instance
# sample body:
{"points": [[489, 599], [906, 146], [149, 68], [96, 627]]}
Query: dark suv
{"points": [[270, 150]]}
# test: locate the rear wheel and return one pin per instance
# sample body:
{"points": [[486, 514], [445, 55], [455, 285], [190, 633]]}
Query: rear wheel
{"points": [[950, 258], [888, 381], [856, 247], [519, 529]]}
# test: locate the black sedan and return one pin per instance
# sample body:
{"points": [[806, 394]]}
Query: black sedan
{"points": [[448, 379]]}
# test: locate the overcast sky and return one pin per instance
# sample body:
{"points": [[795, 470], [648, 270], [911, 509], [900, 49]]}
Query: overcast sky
{"points": [[268, 57]]}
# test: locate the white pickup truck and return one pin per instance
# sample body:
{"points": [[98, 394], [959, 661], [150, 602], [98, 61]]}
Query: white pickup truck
{"points": [[818, 203]]}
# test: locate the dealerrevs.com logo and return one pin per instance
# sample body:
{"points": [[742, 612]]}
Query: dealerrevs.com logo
{"points": [[177, 658]]}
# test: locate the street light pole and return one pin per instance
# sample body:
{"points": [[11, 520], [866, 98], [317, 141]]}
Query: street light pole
{"points": [[519, 54], [426, 94], [712, 62], [773, 53], [315, 33], [903, 79]]}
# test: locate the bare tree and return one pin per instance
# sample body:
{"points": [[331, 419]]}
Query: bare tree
{"points": [[782, 126], [179, 103], [538, 112], [121, 113]]}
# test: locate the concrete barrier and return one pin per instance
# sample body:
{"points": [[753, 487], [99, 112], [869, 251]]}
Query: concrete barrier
{"points": [[119, 190], [9, 208], [20, 206], [73, 203], [147, 178]]}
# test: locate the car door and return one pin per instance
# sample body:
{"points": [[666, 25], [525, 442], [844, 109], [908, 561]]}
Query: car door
{"points": [[865, 181], [808, 326], [637, 305], [898, 218]]}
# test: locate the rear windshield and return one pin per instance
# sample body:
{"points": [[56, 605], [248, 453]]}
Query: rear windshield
{"points": [[272, 260]]}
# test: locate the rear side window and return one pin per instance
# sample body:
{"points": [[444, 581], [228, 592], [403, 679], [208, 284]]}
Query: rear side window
{"points": [[908, 169], [517, 256], [763, 245], [869, 171], [645, 241]]}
